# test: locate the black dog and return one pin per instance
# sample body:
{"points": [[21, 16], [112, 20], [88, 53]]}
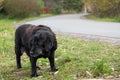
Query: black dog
{"points": [[36, 41]]}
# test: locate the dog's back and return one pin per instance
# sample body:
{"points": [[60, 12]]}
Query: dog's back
{"points": [[25, 31], [30, 29]]}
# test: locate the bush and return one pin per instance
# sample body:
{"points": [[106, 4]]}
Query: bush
{"points": [[100, 68], [40, 3], [103, 8], [1, 4], [46, 10], [22, 8], [72, 5], [56, 10]]}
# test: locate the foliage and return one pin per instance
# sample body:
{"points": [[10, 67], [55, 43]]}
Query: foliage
{"points": [[103, 8], [40, 3], [1, 4], [22, 8], [100, 68], [72, 5], [56, 10], [105, 19], [46, 10]]}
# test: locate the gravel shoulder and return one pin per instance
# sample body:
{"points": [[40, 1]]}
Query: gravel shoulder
{"points": [[95, 38]]}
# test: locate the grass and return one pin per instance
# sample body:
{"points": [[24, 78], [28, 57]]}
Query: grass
{"points": [[75, 58], [105, 19]]}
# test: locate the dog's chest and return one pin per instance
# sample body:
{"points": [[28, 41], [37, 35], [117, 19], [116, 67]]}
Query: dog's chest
{"points": [[44, 55]]}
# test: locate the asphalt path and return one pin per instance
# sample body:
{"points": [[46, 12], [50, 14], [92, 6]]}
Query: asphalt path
{"points": [[76, 24]]}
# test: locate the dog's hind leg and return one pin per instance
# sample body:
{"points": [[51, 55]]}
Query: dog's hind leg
{"points": [[18, 56], [18, 52]]}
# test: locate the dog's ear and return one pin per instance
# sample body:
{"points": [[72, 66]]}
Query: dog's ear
{"points": [[49, 43], [33, 39], [54, 44]]}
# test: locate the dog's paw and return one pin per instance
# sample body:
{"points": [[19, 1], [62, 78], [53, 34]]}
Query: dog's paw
{"points": [[19, 67], [54, 70], [37, 78], [35, 75]]}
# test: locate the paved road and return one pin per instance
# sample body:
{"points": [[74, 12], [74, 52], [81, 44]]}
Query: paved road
{"points": [[74, 23]]}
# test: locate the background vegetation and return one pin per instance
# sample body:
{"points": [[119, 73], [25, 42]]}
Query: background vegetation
{"points": [[72, 5], [26, 8], [22, 8], [104, 8], [1, 4], [105, 19]]}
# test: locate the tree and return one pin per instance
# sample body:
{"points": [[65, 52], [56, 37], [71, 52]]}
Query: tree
{"points": [[22, 8], [104, 7], [49, 3], [1, 4], [72, 5]]}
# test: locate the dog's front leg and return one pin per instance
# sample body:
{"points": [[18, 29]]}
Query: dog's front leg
{"points": [[52, 62], [33, 67]]}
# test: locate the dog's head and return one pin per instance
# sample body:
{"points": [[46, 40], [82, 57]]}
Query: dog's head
{"points": [[41, 43]]}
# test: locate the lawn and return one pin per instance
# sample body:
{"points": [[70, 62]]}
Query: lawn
{"points": [[75, 58], [105, 19]]}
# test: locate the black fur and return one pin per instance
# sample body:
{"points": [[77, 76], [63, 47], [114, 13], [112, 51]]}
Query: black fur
{"points": [[37, 42]]}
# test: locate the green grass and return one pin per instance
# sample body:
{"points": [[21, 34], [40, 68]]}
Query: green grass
{"points": [[105, 19], [75, 58], [37, 17]]}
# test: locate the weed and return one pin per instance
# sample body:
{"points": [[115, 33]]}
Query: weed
{"points": [[100, 68]]}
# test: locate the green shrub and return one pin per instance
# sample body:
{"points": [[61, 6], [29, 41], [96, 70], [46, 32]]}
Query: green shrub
{"points": [[1, 4], [22, 8], [40, 3], [109, 8], [100, 68], [57, 10], [72, 5]]}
